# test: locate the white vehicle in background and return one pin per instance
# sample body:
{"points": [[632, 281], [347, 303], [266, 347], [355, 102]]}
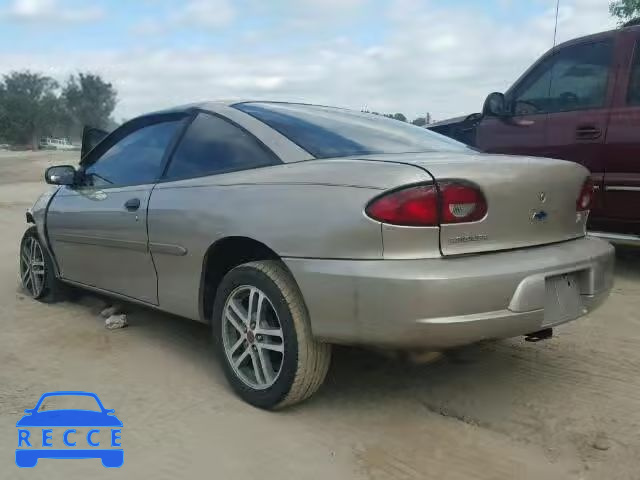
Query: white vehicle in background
{"points": [[51, 143]]}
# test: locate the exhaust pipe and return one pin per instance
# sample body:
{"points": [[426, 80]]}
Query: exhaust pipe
{"points": [[538, 336]]}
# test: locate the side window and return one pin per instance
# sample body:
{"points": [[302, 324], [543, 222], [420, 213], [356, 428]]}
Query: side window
{"points": [[532, 96], [212, 145], [575, 78], [580, 77], [134, 159], [633, 95]]}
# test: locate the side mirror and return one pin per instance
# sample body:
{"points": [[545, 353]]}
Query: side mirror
{"points": [[495, 105], [60, 175]]}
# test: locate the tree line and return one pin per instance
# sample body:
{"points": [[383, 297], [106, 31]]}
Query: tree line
{"points": [[33, 105], [419, 121]]}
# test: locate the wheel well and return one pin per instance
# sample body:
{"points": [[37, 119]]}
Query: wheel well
{"points": [[221, 257]]}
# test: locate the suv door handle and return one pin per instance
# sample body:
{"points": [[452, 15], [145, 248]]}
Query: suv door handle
{"points": [[588, 132], [132, 204]]}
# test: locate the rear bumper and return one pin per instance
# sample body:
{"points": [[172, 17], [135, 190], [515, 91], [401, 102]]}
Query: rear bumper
{"points": [[446, 302]]}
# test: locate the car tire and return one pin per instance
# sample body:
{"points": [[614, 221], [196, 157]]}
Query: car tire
{"points": [[47, 288], [264, 377]]}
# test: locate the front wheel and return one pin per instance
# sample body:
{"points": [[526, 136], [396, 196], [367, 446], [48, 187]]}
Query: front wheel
{"points": [[36, 268], [263, 336]]}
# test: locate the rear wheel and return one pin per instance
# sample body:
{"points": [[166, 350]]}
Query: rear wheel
{"points": [[264, 339], [36, 268]]}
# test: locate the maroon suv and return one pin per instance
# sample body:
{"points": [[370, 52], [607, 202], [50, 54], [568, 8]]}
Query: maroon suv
{"points": [[579, 102]]}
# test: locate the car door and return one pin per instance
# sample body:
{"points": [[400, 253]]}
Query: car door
{"points": [[580, 95], [98, 228], [524, 130], [205, 181], [622, 177]]}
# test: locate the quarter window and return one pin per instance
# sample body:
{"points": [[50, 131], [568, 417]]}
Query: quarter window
{"points": [[634, 81], [575, 78], [135, 159], [212, 145]]}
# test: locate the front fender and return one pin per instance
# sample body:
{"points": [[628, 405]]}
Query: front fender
{"points": [[37, 215]]}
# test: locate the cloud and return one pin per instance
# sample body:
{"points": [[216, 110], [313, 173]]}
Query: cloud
{"points": [[331, 5], [202, 14], [207, 13], [433, 57], [49, 11]]}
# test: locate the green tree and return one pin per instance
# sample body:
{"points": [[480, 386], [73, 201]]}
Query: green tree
{"points": [[625, 10], [28, 107], [420, 121], [396, 116], [89, 100], [3, 116]]}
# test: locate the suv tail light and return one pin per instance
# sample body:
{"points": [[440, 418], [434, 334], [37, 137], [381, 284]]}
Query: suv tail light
{"points": [[429, 206], [586, 196]]}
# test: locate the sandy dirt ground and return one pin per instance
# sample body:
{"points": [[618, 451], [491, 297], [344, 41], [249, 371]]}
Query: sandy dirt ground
{"points": [[565, 408]]}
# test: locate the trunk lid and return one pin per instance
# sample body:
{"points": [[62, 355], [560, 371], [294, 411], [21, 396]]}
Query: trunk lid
{"points": [[531, 201]]}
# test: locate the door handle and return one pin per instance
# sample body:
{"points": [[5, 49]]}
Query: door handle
{"points": [[132, 204], [588, 132]]}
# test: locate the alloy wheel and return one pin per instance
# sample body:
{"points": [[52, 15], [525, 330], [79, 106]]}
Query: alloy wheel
{"points": [[32, 267], [252, 337]]}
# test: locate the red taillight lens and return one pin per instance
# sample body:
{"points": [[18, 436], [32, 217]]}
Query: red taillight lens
{"points": [[586, 196], [412, 207], [418, 206]]}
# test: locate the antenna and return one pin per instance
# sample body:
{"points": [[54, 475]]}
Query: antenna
{"points": [[555, 29], [555, 34]]}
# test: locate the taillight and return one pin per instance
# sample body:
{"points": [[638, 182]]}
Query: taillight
{"points": [[421, 206], [414, 207], [586, 196], [462, 203]]}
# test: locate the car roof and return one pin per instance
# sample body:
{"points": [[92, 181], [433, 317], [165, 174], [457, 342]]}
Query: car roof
{"points": [[217, 105], [69, 393], [599, 35], [212, 106]]}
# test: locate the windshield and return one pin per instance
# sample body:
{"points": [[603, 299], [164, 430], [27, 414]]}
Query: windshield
{"points": [[327, 132], [69, 402]]}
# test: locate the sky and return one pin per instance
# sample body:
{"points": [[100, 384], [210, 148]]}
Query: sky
{"points": [[410, 56]]}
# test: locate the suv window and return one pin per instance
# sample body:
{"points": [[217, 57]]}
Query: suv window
{"points": [[634, 82], [135, 159], [575, 78], [212, 145]]}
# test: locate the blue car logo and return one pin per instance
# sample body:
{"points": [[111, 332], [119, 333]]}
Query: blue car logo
{"points": [[41, 433], [539, 216]]}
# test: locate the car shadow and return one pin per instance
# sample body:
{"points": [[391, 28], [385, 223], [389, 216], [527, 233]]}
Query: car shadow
{"points": [[187, 340], [356, 376], [628, 263], [359, 374]]}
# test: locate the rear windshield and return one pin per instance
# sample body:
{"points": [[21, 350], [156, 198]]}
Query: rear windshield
{"points": [[327, 132]]}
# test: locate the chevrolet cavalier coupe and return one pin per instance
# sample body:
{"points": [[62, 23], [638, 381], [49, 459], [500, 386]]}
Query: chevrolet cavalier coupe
{"points": [[291, 227]]}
